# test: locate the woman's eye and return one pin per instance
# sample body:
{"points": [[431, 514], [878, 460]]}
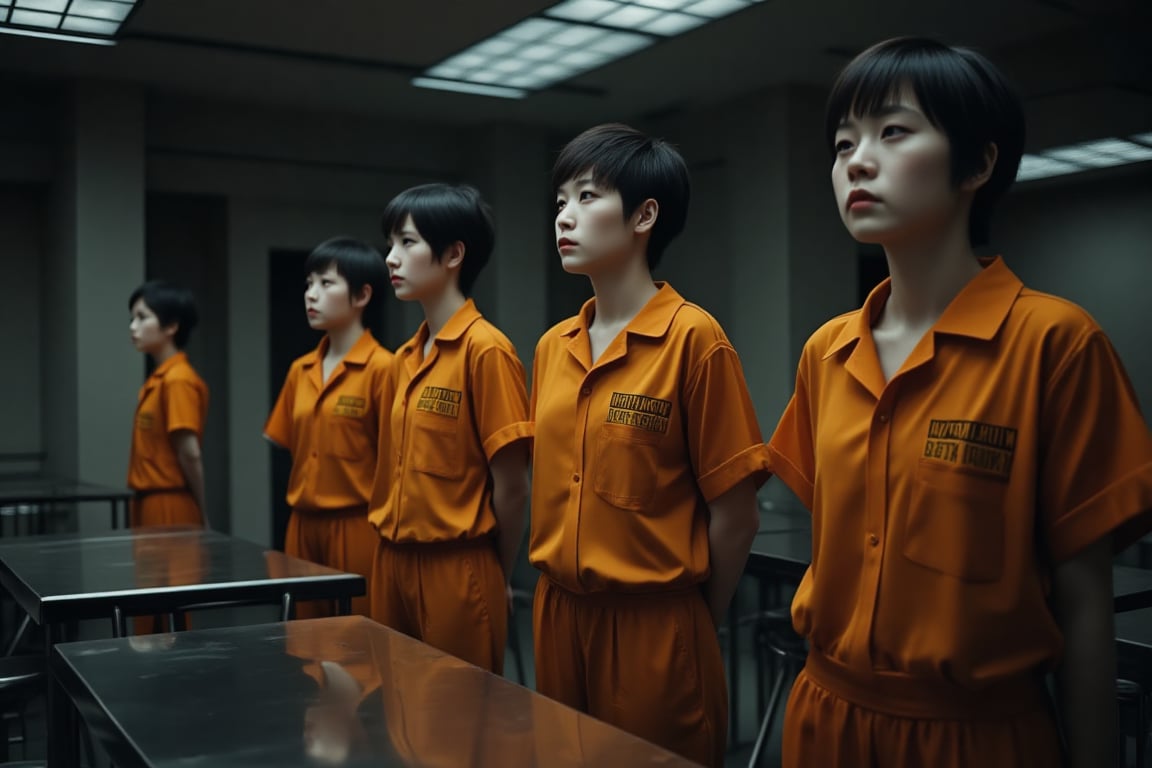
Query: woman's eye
{"points": [[893, 130]]}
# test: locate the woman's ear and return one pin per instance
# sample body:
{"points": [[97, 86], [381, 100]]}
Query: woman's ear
{"points": [[360, 300], [453, 255], [645, 216], [980, 177]]}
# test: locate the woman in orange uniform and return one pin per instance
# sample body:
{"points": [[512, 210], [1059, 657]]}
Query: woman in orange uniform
{"points": [[328, 412], [970, 449], [452, 477], [165, 468], [646, 461]]}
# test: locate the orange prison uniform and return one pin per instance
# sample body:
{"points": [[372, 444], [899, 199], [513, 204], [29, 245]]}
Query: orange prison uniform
{"points": [[331, 429], [628, 453], [437, 574], [941, 502], [173, 398]]}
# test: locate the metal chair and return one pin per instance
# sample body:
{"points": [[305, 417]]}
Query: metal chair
{"points": [[774, 634], [1132, 702], [21, 677]]}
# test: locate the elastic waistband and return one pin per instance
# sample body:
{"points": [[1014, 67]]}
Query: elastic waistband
{"points": [[902, 695], [361, 510], [624, 599], [143, 493], [441, 546]]}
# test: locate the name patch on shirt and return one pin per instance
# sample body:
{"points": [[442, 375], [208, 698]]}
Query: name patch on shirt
{"points": [[986, 447], [441, 400], [349, 405], [640, 411], [145, 421]]}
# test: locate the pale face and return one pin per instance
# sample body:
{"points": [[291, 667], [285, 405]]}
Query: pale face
{"points": [[892, 175], [328, 302], [591, 232], [415, 274], [147, 334]]}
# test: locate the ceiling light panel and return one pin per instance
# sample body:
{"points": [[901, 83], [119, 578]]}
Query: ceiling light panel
{"points": [[575, 36], [1085, 156], [83, 21]]}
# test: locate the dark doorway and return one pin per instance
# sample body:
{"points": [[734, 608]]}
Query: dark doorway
{"points": [[289, 337]]}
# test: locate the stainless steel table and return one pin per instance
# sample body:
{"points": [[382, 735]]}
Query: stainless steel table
{"points": [[340, 691], [62, 579]]}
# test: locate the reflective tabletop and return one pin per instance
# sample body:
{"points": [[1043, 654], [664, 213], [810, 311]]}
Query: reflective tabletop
{"points": [[67, 577], [342, 691], [46, 489]]}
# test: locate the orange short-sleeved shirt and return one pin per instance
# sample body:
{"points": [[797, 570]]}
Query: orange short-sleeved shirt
{"points": [[173, 398], [630, 449], [451, 413], [1009, 441], [331, 428]]}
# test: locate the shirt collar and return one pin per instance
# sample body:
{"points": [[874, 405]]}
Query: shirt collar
{"points": [[653, 319], [977, 311], [177, 359], [461, 320], [358, 355]]}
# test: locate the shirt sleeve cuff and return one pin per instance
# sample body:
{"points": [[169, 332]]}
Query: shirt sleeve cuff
{"points": [[501, 438], [1123, 510], [752, 463], [792, 477]]}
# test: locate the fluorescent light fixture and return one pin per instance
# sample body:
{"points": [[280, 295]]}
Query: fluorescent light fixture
{"points": [[1085, 156], [52, 6], [568, 39], [463, 87], [77, 21]]}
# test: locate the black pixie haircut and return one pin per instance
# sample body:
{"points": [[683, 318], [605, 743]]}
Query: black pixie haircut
{"points": [[960, 92], [171, 305], [444, 214], [355, 260], [638, 167]]}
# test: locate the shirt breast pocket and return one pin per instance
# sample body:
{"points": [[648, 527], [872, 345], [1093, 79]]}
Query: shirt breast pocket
{"points": [[627, 464], [435, 446], [349, 439], [955, 524]]}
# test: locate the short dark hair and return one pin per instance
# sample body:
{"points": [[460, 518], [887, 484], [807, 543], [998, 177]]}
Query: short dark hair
{"points": [[171, 304], [444, 214], [355, 260], [637, 166], [961, 93]]}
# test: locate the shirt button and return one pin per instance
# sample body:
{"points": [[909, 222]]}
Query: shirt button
{"points": [[873, 539], [576, 477], [585, 390], [883, 418]]}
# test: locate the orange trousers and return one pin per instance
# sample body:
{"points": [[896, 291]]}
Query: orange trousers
{"points": [[155, 567], [849, 720], [343, 540], [650, 664], [164, 508], [450, 595]]}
